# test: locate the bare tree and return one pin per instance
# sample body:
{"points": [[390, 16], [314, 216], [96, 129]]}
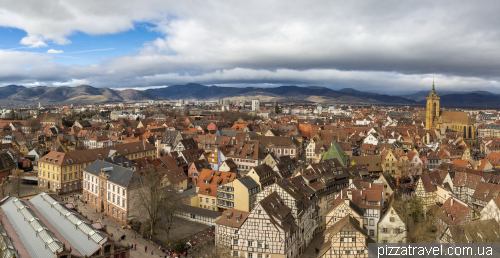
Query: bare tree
{"points": [[168, 211], [33, 125], [170, 112], [232, 117], [206, 247], [420, 226], [154, 198], [3, 186], [17, 177]]}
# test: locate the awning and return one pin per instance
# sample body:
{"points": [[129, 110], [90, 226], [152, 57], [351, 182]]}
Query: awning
{"points": [[131, 218]]}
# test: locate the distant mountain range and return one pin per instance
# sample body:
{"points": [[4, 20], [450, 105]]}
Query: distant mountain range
{"points": [[85, 94], [194, 91], [459, 98]]}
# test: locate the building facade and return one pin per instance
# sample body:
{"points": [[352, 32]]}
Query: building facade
{"points": [[106, 187], [435, 118], [63, 172]]}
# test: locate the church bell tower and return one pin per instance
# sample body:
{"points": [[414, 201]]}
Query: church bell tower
{"points": [[432, 109]]}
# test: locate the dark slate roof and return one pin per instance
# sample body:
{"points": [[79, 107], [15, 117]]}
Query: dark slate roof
{"points": [[248, 182], [120, 159], [169, 137], [390, 180], [200, 211], [356, 208], [118, 175], [6, 162]]}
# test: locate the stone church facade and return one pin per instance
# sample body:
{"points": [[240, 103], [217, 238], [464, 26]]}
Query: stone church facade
{"points": [[437, 119]]}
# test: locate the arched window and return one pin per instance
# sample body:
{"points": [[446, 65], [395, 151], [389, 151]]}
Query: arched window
{"points": [[470, 132], [465, 132]]}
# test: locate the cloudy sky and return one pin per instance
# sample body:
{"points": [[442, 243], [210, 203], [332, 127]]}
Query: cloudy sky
{"points": [[379, 46]]}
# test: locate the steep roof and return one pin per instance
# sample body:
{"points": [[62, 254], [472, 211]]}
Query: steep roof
{"points": [[336, 152], [248, 182], [453, 212], [232, 218], [279, 214]]}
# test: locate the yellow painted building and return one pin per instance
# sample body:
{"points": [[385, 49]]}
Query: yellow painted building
{"points": [[239, 194], [62, 172]]}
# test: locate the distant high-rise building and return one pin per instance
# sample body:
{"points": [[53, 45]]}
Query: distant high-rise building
{"points": [[255, 105], [182, 101], [226, 102]]}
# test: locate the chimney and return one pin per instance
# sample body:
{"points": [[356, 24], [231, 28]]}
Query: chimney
{"points": [[451, 201], [397, 183]]}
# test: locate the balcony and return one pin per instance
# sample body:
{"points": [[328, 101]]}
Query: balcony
{"points": [[225, 196], [225, 204]]}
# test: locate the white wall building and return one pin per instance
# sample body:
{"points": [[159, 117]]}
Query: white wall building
{"points": [[255, 105]]}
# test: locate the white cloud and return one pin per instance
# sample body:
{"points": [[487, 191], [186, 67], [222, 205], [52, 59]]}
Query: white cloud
{"points": [[33, 41], [53, 51], [72, 83], [383, 46], [93, 50]]}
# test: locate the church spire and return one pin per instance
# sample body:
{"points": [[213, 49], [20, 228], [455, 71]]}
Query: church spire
{"points": [[433, 92]]}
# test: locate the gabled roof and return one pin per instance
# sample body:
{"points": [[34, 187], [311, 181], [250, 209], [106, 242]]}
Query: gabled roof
{"points": [[233, 218], [453, 212], [279, 214], [248, 182], [430, 180]]}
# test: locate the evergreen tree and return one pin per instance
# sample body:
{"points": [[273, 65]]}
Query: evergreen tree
{"points": [[137, 119], [179, 246], [277, 109], [107, 127]]}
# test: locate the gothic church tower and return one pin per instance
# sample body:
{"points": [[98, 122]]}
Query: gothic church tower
{"points": [[432, 110]]}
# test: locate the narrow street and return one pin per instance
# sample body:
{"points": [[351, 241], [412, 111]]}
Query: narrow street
{"points": [[310, 251]]}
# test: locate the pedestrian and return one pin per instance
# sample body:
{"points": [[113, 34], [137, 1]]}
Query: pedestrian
{"points": [[151, 252], [145, 248], [159, 247], [135, 247]]}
